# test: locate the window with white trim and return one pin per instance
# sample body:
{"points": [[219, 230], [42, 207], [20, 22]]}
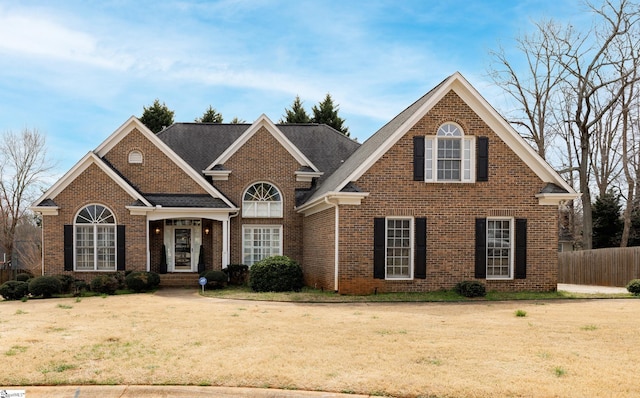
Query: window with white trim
{"points": [[262, 200], [95, 239], [260, 241], [500, 248], [449, 156], [399, 246]]}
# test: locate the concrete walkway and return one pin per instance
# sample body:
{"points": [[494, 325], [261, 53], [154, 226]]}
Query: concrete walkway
{"points": [[591, 289], [166, 392]]}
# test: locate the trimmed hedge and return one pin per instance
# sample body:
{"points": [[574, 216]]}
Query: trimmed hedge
{"points": [[23, 277], [238, 274], [14, 290], [276, 274], [45, 286], [471, 289], [104, 284], [67, 283], [215, 279], [142, 281], [634, 287]]}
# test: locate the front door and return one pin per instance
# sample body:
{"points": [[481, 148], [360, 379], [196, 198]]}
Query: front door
{"points": [[183, 249]]}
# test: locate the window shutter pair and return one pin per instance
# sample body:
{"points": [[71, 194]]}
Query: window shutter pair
{"points": [[520, 249], [420, 248], [420, 159], [68, 248]]}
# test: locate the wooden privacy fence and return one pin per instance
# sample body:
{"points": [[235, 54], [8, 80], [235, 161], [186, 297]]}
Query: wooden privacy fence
{"points": [[602, 267]]}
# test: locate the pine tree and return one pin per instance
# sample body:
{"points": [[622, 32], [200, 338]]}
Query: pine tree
{"points": [[157, 116], [296, 114], [326, 112], [210, 116], [237, 120], [607, 224]]}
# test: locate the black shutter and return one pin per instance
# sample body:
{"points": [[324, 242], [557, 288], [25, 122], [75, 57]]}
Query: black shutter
{"points": [[521, 248], [379, 232], [420, 266], [68, 247], [482, 159], [120, 249], [418, 158], [481, 248]]}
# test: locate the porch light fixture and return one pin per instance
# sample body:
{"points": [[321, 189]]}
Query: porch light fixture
{"points": [[157, 230], [206, 231]]}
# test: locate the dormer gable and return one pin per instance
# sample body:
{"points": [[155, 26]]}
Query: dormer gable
{"points": [[306, 172]]}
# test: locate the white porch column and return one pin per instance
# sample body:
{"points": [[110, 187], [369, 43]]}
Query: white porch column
{"points": [[225, 243]]}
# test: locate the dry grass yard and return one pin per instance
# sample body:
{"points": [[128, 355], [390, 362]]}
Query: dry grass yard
{"points": [[555, 348]]}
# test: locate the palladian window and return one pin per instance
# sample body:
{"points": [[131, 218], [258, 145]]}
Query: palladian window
{"points": [[262, 200], [95, 239]]}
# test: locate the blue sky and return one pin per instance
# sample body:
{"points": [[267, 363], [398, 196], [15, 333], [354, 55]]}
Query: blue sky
{"points": [[76, 70]]}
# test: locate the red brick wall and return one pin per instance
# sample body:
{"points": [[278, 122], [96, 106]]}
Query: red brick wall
{"points": [[263, 158], [319, 244], [93, 187], [156, 174], [450, 209]]}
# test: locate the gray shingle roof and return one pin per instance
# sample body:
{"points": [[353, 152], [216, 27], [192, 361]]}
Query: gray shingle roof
{"points": [[199, 144], [184, 200]]}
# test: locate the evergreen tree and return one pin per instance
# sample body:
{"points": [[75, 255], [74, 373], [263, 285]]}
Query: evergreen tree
{"points": [[236, 120], [607, 224], [157, 116], [296, 114], [326, 112], [210, 116]]}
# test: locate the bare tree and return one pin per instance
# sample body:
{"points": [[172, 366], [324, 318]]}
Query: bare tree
{"points": [[534, 91], [23, 166]]}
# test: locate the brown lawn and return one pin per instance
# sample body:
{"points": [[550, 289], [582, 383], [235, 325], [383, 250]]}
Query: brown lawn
{"points": [[562, 348]]}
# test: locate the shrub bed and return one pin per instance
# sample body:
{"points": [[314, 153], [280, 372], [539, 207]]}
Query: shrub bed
{"points": [[238, 274], [45, 286], [142, 281], [470, 289], [215, 279], [104, 284], [14, 290], [634, 287], [276, 274]]}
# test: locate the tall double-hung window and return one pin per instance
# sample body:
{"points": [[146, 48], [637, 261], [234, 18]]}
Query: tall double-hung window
{"points": [[449, 155], [95, 239]]}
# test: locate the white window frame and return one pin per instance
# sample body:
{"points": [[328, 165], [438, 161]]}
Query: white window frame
{"points": [[449, 131], [387, 249], [94, 227], [249, 247], [511, 249], [136, 157], [265, 206]]}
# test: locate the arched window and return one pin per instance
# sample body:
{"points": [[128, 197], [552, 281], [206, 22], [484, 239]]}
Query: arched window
{"points": [[95, 239], [449, 155], [262, 200]]}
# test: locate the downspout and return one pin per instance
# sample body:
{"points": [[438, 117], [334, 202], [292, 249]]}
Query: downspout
{"points": [[336, 249], [227, 246], [42, 242]]}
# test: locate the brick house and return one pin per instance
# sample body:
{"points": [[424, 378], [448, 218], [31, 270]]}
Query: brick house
{"points": [[446, 191]]}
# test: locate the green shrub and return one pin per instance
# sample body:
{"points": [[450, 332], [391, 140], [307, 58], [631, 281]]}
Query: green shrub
{"points": [[67, 283], [276, 274], [470, 289], [215, 279], [238, 274], [634, 287], [104, 284], [45, 286], [14, 290], [23, 277], [142, 281], [81, 285], [120, 278]]}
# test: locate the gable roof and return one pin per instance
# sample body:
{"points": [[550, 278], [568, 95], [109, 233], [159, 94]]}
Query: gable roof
{"points": [[379, 143], [203, 144], [47, 203]]}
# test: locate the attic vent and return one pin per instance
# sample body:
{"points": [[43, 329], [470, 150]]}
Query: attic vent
{"points": [[135, 156]]}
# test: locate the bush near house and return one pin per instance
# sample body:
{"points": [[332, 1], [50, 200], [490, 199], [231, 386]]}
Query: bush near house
{"points": [[67, 283], [470, 289], [14, 290], [238, 274], [45, 286], [142, 281], [634, 287], [276, 274], [104, 284], [23, 277], [215, 279]]}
